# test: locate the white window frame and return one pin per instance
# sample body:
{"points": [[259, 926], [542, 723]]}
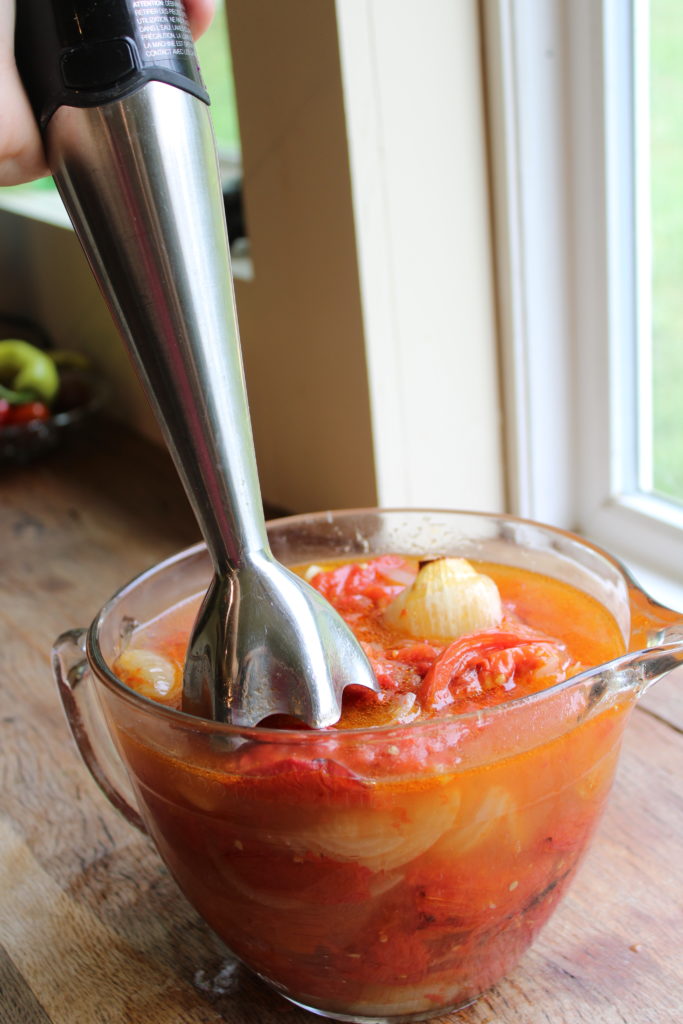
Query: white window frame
{"points": [[563, 193], [526, 58]]}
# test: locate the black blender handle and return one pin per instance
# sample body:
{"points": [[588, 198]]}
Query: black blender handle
{"points": [[85, 53]]}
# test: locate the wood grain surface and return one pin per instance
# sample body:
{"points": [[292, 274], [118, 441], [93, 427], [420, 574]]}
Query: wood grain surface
{"points": [[92, 928]]}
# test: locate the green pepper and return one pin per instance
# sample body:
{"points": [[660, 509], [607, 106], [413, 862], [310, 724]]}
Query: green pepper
{"points": [[25, 369], [15, 397]]}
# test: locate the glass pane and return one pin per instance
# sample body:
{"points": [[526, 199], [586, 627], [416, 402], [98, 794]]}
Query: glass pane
{"points": [[666, 178], [213, 51]]}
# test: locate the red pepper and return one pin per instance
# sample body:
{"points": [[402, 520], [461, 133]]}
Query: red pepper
{"points": [[5, 408], [27, 412]]}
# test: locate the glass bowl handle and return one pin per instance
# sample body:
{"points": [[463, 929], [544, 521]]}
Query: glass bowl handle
{"points": [[88, 727]]}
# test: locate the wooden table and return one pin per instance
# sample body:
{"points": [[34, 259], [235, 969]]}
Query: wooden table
{"points": [[92, 928]]}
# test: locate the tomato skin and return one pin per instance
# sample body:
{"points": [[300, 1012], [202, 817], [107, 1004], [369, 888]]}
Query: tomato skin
{"points": [[421, 656], [27, 412], [5, 409], [461, 670], [360, 587]]}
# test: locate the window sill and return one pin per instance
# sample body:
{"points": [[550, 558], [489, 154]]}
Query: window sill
{"points": [[663, 588], [47, 207], [42, 206]]}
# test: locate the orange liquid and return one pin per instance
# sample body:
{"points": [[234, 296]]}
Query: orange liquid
{"points": [[403, 870]]}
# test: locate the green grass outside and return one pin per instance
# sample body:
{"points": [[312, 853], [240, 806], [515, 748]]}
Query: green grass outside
{"points": [[666, 57], [213, 51]]}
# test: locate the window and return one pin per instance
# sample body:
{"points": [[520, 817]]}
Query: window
{"points": [[215, 59], [585, 101], [662, 471], [636, 504]]}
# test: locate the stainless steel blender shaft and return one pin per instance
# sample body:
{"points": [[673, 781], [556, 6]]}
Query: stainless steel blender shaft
{"points": [[140, 180]]}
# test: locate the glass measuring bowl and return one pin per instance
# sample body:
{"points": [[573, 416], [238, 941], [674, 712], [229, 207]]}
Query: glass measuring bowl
{"points": [[387, 874]]}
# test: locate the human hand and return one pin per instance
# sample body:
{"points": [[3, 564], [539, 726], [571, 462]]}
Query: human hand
{"points": [[21, 150]]}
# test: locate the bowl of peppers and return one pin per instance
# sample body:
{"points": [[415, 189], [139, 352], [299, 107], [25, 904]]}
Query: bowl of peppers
{"points": [[44, 395]]}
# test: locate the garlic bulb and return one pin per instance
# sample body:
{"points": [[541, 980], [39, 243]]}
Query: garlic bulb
{"points": [[447, 599]]}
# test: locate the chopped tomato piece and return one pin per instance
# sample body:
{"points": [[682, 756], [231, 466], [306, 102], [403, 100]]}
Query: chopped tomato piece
{"points": [[362, 586], [420, 656], [27, 412], [489, 660]]}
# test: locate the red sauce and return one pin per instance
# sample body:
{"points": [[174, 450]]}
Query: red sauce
{"points": [[404, 870]]}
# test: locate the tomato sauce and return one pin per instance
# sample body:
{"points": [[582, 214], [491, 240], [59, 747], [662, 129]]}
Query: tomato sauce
{"points": [[403, 869]]}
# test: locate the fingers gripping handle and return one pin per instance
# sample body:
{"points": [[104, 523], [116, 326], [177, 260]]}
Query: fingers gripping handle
{"points": [[88, 728], [85, 53]]}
